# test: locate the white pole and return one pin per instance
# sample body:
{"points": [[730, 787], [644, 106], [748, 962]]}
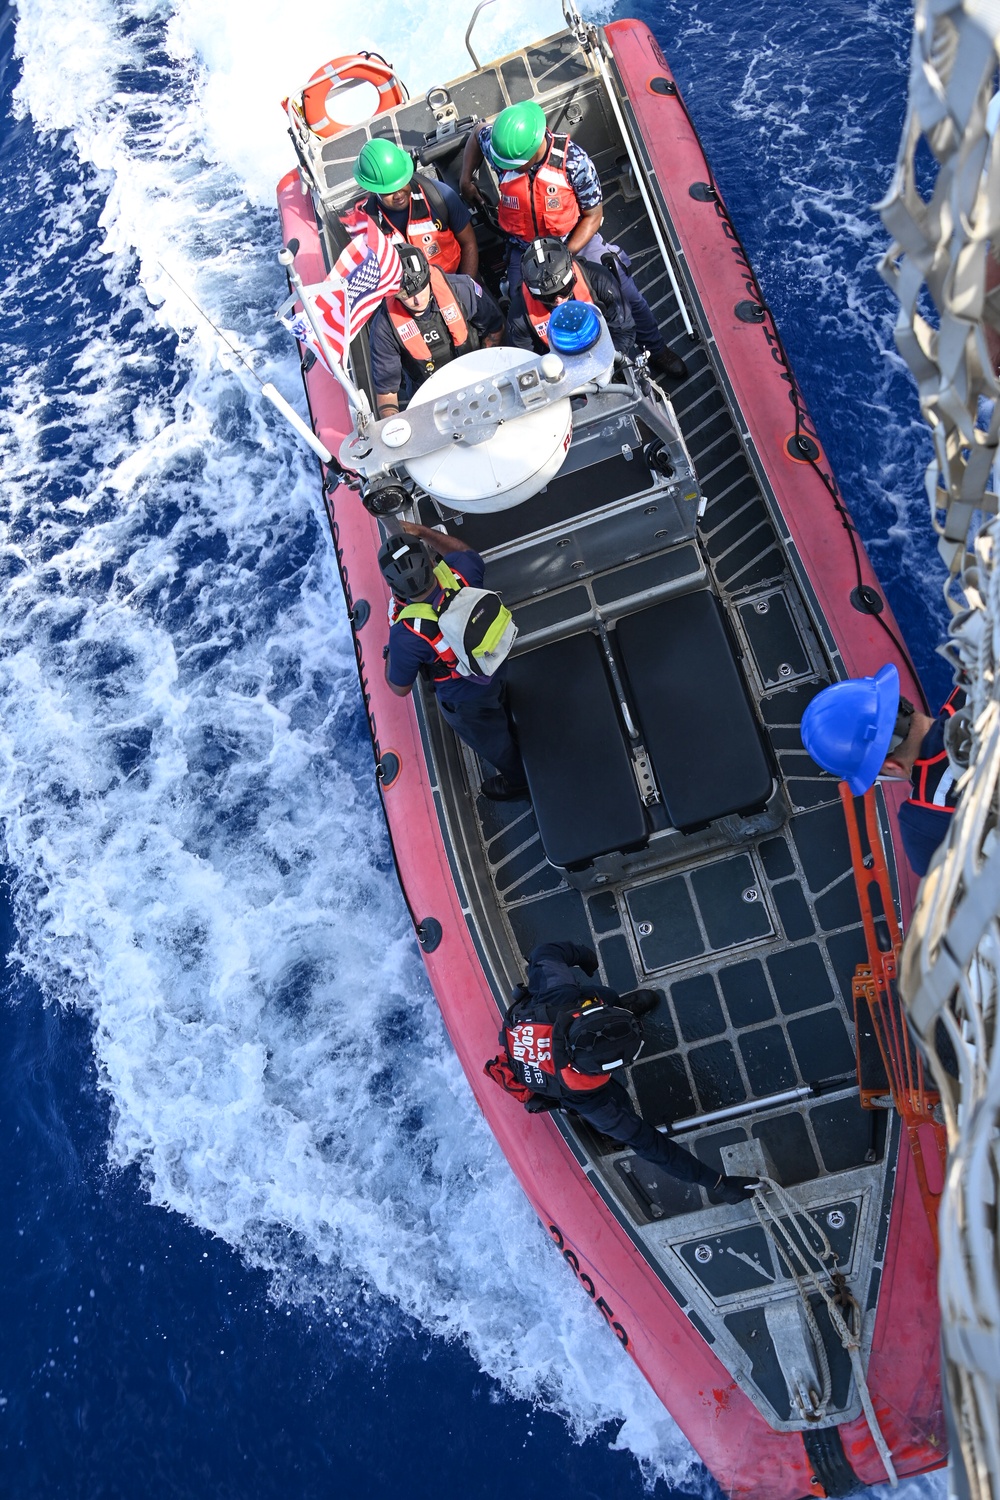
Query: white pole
{"points": [[291, 416], [641, 184]]}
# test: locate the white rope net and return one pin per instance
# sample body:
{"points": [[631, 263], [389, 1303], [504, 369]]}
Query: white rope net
{"points": [[943, 214]]}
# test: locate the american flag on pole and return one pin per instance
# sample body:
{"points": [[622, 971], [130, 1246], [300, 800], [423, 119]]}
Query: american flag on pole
{"points": [[364, 273]]}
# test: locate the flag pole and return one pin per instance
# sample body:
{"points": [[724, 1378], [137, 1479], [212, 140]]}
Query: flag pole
{"points": [[267, 390], [356, 399]]}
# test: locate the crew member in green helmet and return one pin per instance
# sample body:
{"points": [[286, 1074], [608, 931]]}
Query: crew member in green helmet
{"points": [[549, 189], [409, 206]]}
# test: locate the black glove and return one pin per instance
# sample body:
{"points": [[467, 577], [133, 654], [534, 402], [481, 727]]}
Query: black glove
{"points": [[538, 1104], [590, 965], [733, 1189]]}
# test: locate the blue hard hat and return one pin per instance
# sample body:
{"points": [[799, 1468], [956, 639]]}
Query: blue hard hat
{"points": [[847, 728], [574, 327]]}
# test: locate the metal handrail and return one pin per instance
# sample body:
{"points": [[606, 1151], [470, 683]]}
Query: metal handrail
{"points": [[475, 17]]}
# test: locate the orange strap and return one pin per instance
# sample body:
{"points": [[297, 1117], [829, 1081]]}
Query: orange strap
{"points": [[875, 987]]}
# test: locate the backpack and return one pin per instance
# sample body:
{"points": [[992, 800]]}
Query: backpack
{"points": [[475, 624]]}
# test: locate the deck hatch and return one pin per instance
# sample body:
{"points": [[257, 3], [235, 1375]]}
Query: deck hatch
{"points": [[775, 643], [727, 897]]}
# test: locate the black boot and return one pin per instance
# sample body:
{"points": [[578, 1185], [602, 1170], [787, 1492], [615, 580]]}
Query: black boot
{"points": [[668, 364], [641, 1002], [499, 789]]}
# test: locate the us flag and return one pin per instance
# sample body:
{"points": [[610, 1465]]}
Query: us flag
{"points": [[364, 273]]}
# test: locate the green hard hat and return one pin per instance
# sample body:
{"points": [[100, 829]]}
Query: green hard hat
{"points": [[517, 133], [383, 167]]}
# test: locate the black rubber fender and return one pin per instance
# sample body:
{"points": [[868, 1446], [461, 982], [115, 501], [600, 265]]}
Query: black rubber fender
{"points": [[829, 1463]]}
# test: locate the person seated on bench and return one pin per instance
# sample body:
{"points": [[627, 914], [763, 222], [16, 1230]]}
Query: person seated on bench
{"points": [[475, 707], [550, 275], [415, 209], [562, 1038], [431, 320], [550, 186]]}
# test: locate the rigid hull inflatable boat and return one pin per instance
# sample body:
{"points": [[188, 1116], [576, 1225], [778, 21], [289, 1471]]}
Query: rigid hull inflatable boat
{"points": [[683, 584]]}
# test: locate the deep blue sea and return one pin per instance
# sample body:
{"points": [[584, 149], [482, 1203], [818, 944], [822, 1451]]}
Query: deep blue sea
{"points": [[255, 1240]]}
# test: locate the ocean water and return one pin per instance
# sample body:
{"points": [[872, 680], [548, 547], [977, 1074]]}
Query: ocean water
{"points": [[255, 1239]]}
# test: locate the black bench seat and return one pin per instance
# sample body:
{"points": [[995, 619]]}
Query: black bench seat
{"points": [[583, 788], [696, 719]]}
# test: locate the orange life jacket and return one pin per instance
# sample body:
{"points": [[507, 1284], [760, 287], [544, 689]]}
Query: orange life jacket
{"points": [[539, 201], [425, 226], [932, 779], [539, 314], [405, 324]]}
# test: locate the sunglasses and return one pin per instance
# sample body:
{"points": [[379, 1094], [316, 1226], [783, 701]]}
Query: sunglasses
{"points": [[550, 299]]}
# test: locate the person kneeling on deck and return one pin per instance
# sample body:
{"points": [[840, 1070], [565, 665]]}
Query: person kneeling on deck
{"points": [[862, 729], [551, 275], [415, 209], [549, 187], [474, 705], [562, 1038], [432, 319]]}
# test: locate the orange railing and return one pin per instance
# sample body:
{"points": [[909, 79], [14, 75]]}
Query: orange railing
{"points": [[875, 987]]}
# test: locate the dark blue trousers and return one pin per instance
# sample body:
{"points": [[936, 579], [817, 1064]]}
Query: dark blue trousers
{"points": [[646, 327], [610, 1111], [482, 723]]}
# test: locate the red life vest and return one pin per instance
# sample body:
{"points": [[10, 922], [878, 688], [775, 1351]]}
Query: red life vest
{"points": [[539, 201], [534, 1039], [426, 226], [539, 314], [405, 324], [932, 779]]}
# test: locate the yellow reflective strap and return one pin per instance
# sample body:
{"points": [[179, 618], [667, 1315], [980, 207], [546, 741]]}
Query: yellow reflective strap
{"points": [[417, 612], [448, 580], [494, 634]]}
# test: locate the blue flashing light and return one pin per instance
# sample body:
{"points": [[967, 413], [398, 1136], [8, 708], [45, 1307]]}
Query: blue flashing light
{"points": [[574, 327]]}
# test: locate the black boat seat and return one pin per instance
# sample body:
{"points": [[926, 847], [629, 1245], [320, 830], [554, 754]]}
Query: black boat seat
{"points": [[583, 788], [698, 725]]}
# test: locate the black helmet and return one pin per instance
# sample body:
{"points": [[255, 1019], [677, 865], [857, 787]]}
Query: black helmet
{"points": [[406, 566], [603, 1037], [547, 268], [416, 271]]}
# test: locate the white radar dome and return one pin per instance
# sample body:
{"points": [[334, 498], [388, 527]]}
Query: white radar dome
{"points": [[515, 463]]}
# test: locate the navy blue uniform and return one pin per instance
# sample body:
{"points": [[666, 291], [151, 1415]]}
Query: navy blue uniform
{"points": [[389, 360], [925, 817], [551, 978], [608, 299], [475, 707]]}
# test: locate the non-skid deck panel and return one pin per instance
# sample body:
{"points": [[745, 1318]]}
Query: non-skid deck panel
{"points": [[770, 1011]]}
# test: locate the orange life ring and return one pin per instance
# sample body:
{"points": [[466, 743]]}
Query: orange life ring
{"points": [[320, 92]]}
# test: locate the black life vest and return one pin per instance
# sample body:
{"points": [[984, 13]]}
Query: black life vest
{"points": [[932, 779], [534, 1039]]}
